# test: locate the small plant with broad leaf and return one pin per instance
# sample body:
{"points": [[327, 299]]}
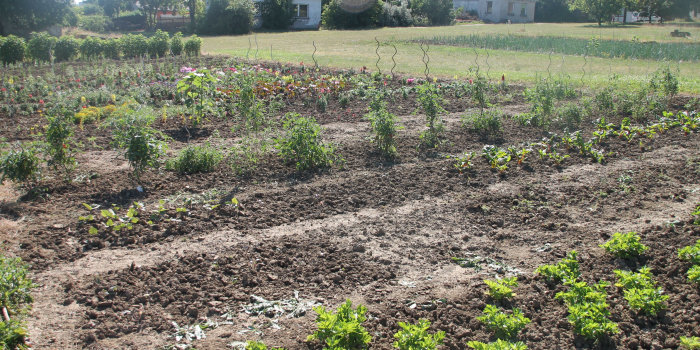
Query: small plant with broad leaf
{"points": [[341, 329], [416, 336], [498, 158], [430, 101], [591, 320], [384, 126], [625, 245], [690, 343], [464, 162], [566, 270], [505, 325], [500, 288], [197, 89], [302, 144], [20, 163], [696, 215], [143, 145], [641, 292], [499, 344]]}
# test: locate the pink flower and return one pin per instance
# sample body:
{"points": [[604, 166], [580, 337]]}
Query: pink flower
{"points": [[471, 82], [503, 77], [3, 89], [41, 102], [185, 70], [410, 80], [30, 96]]}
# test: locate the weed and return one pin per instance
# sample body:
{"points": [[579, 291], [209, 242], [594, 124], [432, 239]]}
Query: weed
{"points": [[463, 162], [197, 88], [302, 144], [195, 159], [58, 137], [500, 288], [255, 345], [665, 81], [142, 144], [20, 164], [414, 337], [566, 270], [625, 245], [499, 344], [430, 100], [15, 301], [503, 324], [342, 329], [488, 123], [641, 292], [690, 343], [322, 103], [384, 127]]}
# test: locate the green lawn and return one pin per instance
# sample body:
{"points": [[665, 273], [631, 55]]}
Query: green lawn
{"points": [[356, 48]]}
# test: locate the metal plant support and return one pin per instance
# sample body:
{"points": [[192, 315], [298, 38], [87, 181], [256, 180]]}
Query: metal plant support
{"points": [[379, 58], [313, 55], [426, 59], [393, 60]]}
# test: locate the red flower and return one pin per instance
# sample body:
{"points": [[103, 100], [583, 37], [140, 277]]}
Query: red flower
{"points": [[503, 77], [3, 89], [64, 146], [30, 96], [471, 82], [41, 102], [84, 107]]}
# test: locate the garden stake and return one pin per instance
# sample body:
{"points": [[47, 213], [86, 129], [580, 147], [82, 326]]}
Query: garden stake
{"points": [[379, 58], [393, 60], [313, 55]]}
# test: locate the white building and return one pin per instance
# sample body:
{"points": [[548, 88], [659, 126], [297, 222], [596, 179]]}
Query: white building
{"points": [[307, 14], [499, 11]]}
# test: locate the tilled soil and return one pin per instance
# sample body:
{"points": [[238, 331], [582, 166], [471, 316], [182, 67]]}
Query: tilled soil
{"points": [[380, 233]]}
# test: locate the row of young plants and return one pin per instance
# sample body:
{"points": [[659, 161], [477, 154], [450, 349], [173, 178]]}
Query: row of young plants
{"points": [[42, 47], [15, 302]]}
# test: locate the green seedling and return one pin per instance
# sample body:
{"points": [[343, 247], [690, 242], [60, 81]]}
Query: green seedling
{"points": [[625, 245], [566, 270], [500, 288], [690, 343], [414, 337], [342, 329], [499, 344], [503, 324]]}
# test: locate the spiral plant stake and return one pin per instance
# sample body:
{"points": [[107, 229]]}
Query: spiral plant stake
{"points": [[393, 60], [476, 60], [549, 65], [247, 54], [313, 55], [426, 59], [488, 69], [379, 58], [256, 46], [585, 62]]}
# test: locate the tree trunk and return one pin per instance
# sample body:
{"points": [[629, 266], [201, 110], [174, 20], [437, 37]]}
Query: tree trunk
{"points": [[193, 9], [624, 16]]}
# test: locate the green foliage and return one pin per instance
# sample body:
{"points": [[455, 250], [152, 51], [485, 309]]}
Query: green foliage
{"points": [[20, 164], [15, 286], [384, 126], [111, 48], [40, 46], [255, 345], [416, 337], [625, 245], [342, 329], [159, 44], [12, 334], [694, 274], [229, 17], [497, 157], [176, 45], [277, 14], [499, 344], [665, 81], [134, 45], [193, 46], [395, 15], [437, 12], [696, 215], [566, 270], [58, 139], [67, 47], [142, 144], [463, 162], [488, 123], [430, 101], [580, 292], [500, 288], [334, 16], [570, 115], [503, 324], [12, 50], [598, 10], [91, 48], [590, 320], [250, 108], [641, 292], [197, 88], [302, 143], [195, 159], [690, 343]]}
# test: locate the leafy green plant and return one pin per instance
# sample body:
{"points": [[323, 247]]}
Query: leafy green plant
{"points": [[696, 215], [625, 245], [416, 337], [590, 320], [195, 159], [500, 288], [40, 46], [143, 145], [665, 81], [690, 253], [12, 334], [342, 329], [159, 44], [488, 123], [12, 50], [690, 343], [67, 47], [641, 292], [498, 158], [580, 292], [58, 138], [430, 101], [503, 324], [255, 345], [176, 45], [463, 162], [20, 164], [197, 88], [134, 45], [384, 126], [694, 274], [15, 301], [91, 48], [193, 46], [566, 270], [499, 344], [302, 143]]}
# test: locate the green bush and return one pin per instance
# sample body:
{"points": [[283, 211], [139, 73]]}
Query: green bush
{"points": [[342, 329], [110, 48], [384, 126], [641, 292], [40, 46], [20, 164], [142, 144], [430, 101], [488, 123], [195, 159], [16, 298], [415, 337], [91, 48], [67, 48], [438, 12], [176, 45], [193, 46], [503, 324], [277, 14], [625, 245], [12, 50], [395, 16], [229, 17], [97, 23], [58, 139], [302, 143], [12, 334], [334, 16], [134, 45], [159, 44], [665, 81]]}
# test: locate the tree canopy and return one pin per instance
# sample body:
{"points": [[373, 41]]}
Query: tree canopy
{"points": [[21, 17]]}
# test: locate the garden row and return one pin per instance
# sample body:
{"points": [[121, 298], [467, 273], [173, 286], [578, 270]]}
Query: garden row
{"points": [[43, 47]]}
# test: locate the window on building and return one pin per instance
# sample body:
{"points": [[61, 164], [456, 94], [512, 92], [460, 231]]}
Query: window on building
{"points": [[510, 9], [489, 7], [522, 11], [302, 11]]}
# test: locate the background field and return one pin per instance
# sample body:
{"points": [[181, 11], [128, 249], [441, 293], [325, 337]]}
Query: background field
{"points": [[355, 49]]}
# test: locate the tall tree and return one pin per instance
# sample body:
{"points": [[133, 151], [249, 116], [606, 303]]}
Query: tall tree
{"points": [[150, 9], [598, 10], [23, 16]]}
